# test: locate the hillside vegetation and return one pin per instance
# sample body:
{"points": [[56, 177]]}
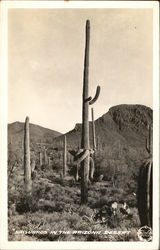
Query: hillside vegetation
{"points": [[55, 204]]}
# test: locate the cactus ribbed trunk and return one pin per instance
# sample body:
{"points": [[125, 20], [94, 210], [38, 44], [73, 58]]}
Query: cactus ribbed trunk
{"points": [[92, 157], [85, 122], [27, 166], [145, 194], [64, 156], [93, 131]]}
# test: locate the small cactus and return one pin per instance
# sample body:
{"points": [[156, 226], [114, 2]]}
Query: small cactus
{"points": [[40, 159], [45, 157], [149, 140], [49, 161], [27, 166], [33, 165], [61, 175]]}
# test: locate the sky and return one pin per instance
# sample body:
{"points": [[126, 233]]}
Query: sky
{"points": [[46, 59]]}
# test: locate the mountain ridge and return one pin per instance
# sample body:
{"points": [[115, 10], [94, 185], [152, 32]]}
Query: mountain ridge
{"points": [[121, 135], [37, 132], [122, 120]]}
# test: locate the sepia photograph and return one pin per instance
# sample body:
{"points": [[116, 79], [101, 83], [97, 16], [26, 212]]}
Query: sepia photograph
{"points": [[80, 121]]}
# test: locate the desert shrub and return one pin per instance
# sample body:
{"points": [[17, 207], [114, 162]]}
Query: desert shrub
{"points": [[25, 204], [131, 200], [82, 225], [57, 164], [73, 219], [135, 221], [55, 205], [85, 210], [15, 158], [100, 203], [104, 191], [115, 220], [133, 235], [47, 206]]}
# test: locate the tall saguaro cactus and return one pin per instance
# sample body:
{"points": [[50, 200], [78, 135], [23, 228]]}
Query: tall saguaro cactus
{"points": [[64, 156], [85, 121], [27, 166]]}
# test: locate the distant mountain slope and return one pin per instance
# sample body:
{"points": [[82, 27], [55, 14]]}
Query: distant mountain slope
{"points": [[124, 123], [37, 133], [120, 136]]}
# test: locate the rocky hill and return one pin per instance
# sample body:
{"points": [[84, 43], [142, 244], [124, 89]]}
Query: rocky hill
{"points": [[126, 124]]}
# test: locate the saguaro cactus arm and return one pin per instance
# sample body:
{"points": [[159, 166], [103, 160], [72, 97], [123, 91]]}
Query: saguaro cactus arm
{"points": [[93, 100], [82, 156], [88, 99], [92, 168]]}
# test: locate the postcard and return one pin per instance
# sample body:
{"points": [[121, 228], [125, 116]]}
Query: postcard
{"points": [[79, 152]]}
